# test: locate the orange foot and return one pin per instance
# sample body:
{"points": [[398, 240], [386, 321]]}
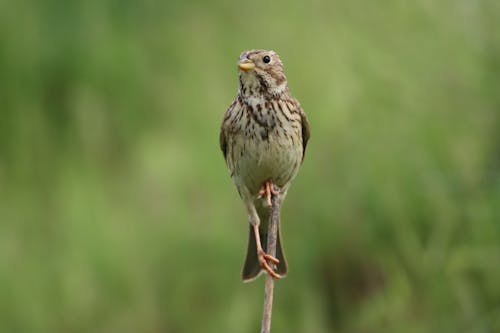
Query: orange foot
{"points": [[267, 189], [263, 259]]}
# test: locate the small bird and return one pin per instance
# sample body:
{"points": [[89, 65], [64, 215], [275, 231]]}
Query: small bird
{"points": [[263, 137]]}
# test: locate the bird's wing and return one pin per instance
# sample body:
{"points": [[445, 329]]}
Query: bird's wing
{"points": [[306, 130], [225, 127], [222, 141]]}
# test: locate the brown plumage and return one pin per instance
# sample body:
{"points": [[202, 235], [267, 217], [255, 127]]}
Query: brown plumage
{"points": [[263, 138]]}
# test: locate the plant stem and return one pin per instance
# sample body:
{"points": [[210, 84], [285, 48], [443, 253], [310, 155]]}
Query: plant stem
{"points": [[274, 217]]}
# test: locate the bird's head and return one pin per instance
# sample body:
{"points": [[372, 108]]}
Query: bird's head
{"points": [[261, 73]]}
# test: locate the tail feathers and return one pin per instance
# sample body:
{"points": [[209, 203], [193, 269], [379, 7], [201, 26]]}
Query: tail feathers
{"points": [[252, 268]]}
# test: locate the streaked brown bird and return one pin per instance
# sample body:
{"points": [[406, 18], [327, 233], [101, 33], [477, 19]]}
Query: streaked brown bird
{"points": [[263, 137]]}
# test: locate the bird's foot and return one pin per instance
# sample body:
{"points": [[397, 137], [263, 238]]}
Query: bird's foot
{"points": [[267, 189], [263, 259]]}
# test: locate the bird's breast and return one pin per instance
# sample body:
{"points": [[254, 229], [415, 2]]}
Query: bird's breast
{"points": [[267, 145]]}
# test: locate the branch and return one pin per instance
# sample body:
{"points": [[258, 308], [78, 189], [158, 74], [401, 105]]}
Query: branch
{"points": [[274, 217]]}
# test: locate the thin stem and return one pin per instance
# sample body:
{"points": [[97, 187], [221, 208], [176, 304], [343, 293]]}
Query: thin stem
{"points": [[274, 217]]}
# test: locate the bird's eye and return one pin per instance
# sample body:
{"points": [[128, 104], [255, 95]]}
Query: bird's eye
{"points": [[266, 59]]}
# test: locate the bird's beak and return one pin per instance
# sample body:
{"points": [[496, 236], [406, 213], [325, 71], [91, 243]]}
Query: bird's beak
{"points": [[246, 64]]}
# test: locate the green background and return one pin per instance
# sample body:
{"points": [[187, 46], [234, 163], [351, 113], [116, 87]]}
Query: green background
{"points": [[117, 213]]}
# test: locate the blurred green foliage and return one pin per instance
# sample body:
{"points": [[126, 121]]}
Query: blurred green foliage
{"points": [[117, 213]]}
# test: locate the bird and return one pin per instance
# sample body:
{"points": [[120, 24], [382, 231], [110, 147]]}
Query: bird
{"points": [[263, 138]]}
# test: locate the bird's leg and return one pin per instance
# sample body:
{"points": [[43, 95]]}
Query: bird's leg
{"points": [[267, 189], [254, 220], [263, 256]]}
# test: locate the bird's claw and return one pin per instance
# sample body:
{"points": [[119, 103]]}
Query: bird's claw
{"points": [[263, 259], [267, 189]]}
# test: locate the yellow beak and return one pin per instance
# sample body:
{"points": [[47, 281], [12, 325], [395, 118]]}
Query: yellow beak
{"points": [[246, 64]]}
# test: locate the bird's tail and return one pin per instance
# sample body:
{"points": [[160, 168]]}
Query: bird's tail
{"points": [[251, 267]]}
